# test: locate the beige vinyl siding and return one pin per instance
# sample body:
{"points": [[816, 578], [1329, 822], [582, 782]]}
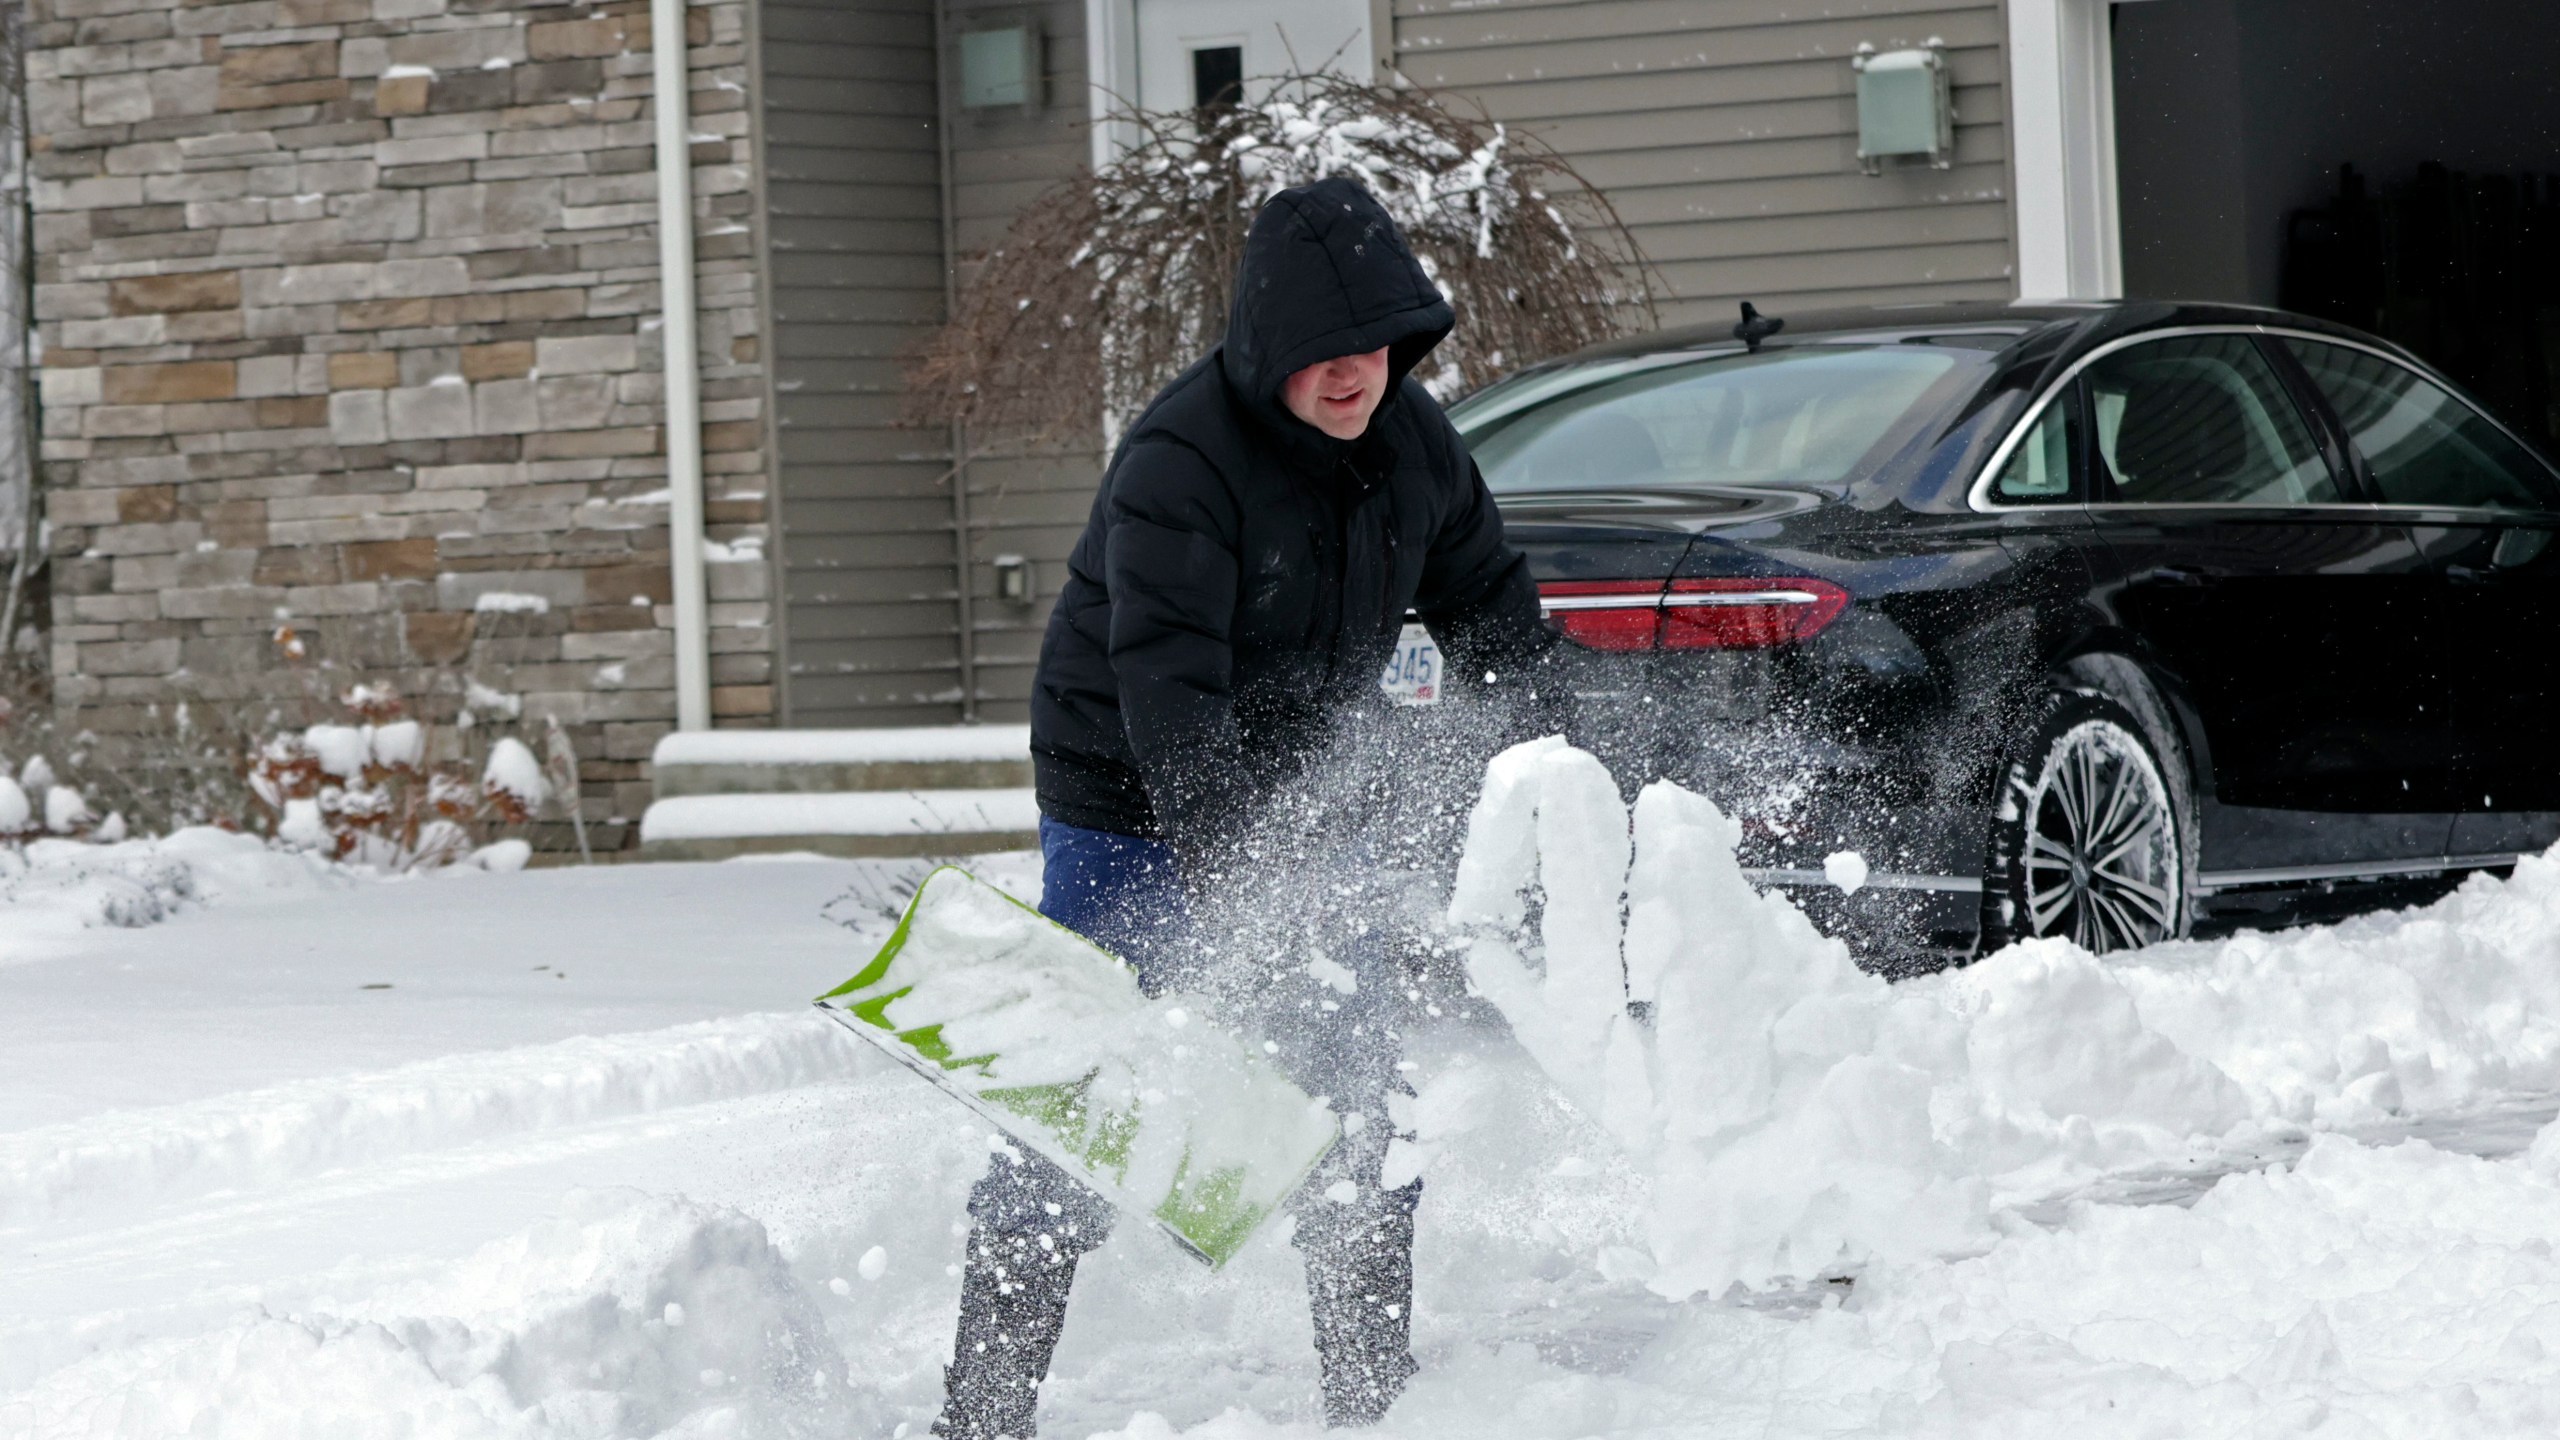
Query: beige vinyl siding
{"points": [[1032, 505], [1725, 133], [853, 195]]}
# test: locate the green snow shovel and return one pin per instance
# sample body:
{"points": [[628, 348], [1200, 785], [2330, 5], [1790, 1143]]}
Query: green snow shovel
{"points": [[1048, 1037]]}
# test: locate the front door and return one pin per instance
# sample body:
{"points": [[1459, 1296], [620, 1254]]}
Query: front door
{"points": [[1198, 52], [2280, 608]]}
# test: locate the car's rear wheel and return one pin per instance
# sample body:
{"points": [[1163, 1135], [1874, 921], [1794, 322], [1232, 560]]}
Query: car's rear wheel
{"points": [[2088, 838]]}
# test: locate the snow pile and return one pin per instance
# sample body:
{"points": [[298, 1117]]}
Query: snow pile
{"points": [[1797, 1115], [2402, 1291], [2426, 1010], [624, 1315], [52, 890], [286, 1132]]}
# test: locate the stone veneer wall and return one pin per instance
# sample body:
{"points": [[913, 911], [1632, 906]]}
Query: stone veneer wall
{"points": [[349, 315]]}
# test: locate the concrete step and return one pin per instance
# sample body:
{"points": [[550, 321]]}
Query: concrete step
{"points": [[853, 823], [926, 790], [811, 762]]}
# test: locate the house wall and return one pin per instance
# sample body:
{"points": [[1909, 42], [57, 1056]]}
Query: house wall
{"points": [[853, 190], [1725, 133], [879, 600], [348, 311], [1031, 503]]}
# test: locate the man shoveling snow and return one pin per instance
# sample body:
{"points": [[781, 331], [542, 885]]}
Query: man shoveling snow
{"points": [[1260, 535]]}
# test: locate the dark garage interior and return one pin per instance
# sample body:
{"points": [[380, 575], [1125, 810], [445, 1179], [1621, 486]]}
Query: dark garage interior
{"points": [[2390, 164]]}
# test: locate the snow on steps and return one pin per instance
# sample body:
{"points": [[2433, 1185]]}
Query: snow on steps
{"points": [[922, 790], [924, 757], [896, 822], [279, 1133]]}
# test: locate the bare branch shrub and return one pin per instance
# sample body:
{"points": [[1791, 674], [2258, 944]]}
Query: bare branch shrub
{"points": [[177, 771], [1109, 285]]}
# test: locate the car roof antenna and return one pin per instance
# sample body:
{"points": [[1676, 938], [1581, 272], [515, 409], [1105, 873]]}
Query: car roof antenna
{"points": [[1756, 327]]}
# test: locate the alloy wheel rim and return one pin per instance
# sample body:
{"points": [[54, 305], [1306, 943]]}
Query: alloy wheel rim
{"points": [[2100, 855]]}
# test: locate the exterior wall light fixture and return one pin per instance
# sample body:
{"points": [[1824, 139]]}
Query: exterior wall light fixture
{"points": [[1013, 579]]}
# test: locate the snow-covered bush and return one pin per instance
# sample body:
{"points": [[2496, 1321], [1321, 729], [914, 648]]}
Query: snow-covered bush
{"points": [[35, 804], [1108, 285], [382, 790], [101, 773]]}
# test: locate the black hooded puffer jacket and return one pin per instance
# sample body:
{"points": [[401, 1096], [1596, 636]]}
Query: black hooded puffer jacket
{"points": [[1244, 575]]}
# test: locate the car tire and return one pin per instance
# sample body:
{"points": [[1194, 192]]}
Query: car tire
{"points": [[2092, 832]]}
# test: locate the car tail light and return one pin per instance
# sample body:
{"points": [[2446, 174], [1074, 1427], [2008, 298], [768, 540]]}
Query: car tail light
{"points": [[1718, 614]]}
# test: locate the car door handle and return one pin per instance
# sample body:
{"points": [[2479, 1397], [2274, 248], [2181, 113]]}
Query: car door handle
{"points": [[2178, 575], [2467, 575]]}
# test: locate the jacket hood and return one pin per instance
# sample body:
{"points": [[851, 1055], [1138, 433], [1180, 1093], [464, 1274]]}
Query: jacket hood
{"points": [[1325, 273]]}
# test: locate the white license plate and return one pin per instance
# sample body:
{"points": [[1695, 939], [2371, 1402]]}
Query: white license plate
{"points": [[1413, 672]]}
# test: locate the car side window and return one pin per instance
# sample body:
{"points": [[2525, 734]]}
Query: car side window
{"points": [[2422, 444], [2201, 420], [2038, 472]]}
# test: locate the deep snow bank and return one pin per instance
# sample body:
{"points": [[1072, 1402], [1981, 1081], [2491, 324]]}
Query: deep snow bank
{"points": [[2399, 1291], [1797, 1115], [624, 1315], [52, 890], [134, 1158]]}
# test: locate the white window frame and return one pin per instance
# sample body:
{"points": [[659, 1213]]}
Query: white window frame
{"points": [[2062, 147]]}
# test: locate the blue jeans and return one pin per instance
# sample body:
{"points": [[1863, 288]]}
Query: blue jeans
{"points": [[1119, 891]]}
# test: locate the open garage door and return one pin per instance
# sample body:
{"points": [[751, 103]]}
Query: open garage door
{"points": [[2390, 164]]}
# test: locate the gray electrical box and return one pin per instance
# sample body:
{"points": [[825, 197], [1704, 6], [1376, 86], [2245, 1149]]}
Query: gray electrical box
{"points": [[1906, 107], [1000, 67]]}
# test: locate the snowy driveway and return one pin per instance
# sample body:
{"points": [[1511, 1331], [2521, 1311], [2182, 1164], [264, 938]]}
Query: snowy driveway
{"points": [[585, 1166]]}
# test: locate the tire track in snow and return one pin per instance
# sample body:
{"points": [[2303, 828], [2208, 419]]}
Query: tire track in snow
{"points": [[131, 1159]]}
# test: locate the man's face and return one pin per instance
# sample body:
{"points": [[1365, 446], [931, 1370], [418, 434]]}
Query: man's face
{"points": [[1339, 395]]}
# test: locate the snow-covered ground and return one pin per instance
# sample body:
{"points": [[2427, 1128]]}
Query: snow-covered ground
{"points": [[565, 1153]]}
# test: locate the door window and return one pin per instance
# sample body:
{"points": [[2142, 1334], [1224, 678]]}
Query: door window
{"points": [[2038, 472], [2422, 445], [2202, 420], [1217, 76]]}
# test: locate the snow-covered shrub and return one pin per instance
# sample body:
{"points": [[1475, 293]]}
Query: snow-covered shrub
{"points": [[105, 772], [34, 804], [1108, 285], [150, 771], [377, 789]]}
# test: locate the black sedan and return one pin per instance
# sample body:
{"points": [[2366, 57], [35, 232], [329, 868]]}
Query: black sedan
{"points": [[2117, 621]]}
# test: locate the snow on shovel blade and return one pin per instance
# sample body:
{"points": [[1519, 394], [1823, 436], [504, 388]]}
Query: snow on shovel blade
{"points": [[1048, 1037]]}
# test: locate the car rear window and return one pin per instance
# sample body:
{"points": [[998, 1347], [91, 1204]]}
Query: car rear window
{"points": [[1811, 415]]}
